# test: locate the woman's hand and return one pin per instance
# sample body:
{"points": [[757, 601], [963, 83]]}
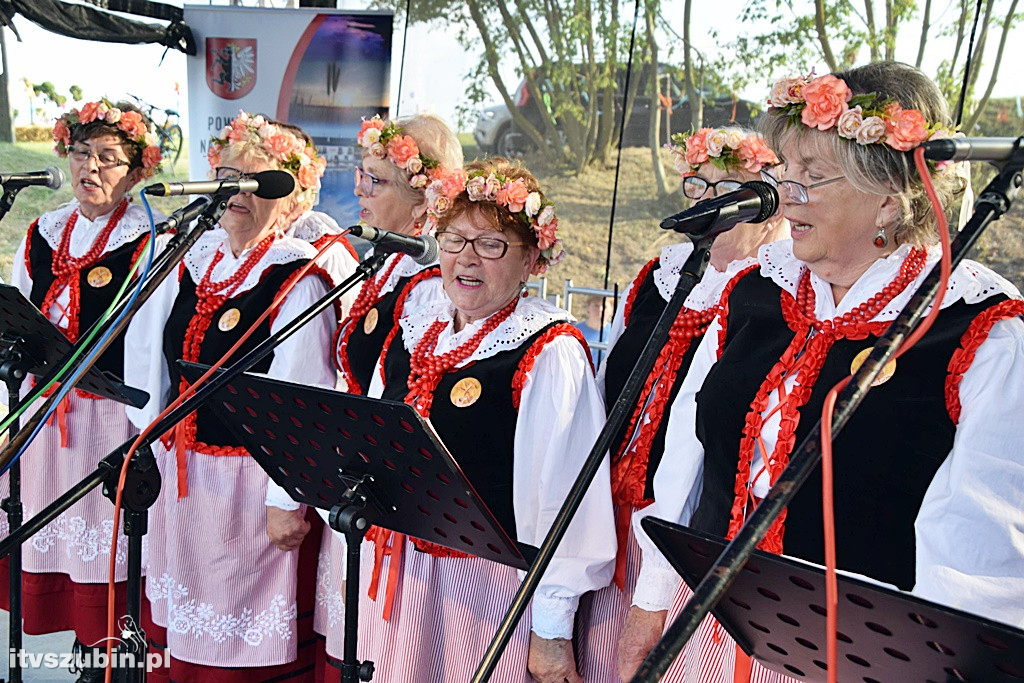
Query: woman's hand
{"points": [[639, 634], [286, 528], [552, 661]]}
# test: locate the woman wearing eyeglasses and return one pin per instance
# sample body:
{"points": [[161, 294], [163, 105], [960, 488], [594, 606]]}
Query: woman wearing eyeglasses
{"points": [[928, 471], [506, 382], [711, 162], [399, 159], [226, 603], [71, 265]]}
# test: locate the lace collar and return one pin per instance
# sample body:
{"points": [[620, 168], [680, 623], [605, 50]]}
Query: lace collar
{"points": [[283, 250], [708, 291], [406, 268], [970, 281], [134, 223], [531, 316], [312, 225]]}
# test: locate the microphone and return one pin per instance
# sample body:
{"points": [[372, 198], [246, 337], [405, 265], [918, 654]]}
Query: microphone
{"points": [[971, 149], [265, 185], [52, 178], [422, 249], [754, 202]]}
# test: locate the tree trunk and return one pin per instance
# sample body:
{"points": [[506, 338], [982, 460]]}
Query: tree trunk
{"points": [[6, 124], [1007, 22], [819, 26], [925, 25], [655, 119], [869, 14], [693, 94]]}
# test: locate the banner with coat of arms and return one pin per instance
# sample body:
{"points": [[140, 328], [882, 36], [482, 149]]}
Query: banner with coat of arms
{"points": [[320, 69]]}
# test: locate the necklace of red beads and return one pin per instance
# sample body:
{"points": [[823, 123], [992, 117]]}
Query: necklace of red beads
{"points": [[426, 369], [804, 356], [211, 296], [66, 268]]}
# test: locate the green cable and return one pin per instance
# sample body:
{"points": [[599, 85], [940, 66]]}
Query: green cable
{"points": [[39, 391]]}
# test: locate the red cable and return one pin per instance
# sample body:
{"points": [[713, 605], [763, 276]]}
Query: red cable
{"points": [[111, 616], [828, 512]]}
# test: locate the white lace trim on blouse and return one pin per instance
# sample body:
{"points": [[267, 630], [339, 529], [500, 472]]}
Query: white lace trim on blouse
{"points": [[406, 268], [970, 281], [134, 223], [312, 225], [705, 293], [531, 316], [283, 250]]}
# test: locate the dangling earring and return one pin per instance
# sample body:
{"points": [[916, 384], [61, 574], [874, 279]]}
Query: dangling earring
{"points": [[523, 290], [881, 241]]}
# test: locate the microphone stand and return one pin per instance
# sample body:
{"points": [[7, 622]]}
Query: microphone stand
{"points": [[692, 272], [163, 265], [143, 480], [994, 201], [7, 200]]}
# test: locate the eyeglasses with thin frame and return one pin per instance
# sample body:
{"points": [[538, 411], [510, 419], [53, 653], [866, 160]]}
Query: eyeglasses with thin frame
{"points": [[695, 186], [228, 173], [485, 247], [797, 192], [367, 182], [105, 158]]}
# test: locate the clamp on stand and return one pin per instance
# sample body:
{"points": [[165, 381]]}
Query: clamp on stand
{"points": [[349, 517], [141, 489]]}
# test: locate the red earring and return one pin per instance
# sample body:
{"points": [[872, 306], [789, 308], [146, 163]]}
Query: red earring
{"points": [[881, 241]]}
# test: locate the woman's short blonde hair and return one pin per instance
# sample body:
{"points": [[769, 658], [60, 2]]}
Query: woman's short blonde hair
{"points": [[435, 140], [880, 169]]}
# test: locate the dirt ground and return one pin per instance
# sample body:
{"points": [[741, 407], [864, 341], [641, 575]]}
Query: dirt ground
{"points": [[583, 206]]}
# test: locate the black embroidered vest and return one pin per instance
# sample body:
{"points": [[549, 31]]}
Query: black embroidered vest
{"points": [[480, 436], [647, 307], [363, 348], [94, 300], [884, 459], [250, 304]]}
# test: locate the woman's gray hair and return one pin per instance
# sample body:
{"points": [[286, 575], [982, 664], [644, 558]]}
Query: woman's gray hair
{"points": [[878, 168]]}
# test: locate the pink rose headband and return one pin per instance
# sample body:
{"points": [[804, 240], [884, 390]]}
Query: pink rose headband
{"points": [[131, 123], [532, 209], [291, 152], [384, 140], [727, 149], [826, 102]]}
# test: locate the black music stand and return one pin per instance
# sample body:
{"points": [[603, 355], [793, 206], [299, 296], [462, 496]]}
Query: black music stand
{"points": [[31, 344], [368, 461], [775, 611]]}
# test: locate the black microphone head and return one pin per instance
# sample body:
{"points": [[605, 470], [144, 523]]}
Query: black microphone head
{"points": [[274, 184], [769, 199], [56, 178]]}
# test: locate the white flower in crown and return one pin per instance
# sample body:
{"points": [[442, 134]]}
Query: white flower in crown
{"points": [[533, 204], [849, 122], [872, 130], [716, 142]]}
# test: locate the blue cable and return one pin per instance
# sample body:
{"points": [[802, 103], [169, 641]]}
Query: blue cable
{"points": [[68, 385]]}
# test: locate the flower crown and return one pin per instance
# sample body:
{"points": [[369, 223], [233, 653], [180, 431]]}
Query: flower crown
{"points": [[139, 130], [529, 207], [727, 149], [826, 102], [291, 152], [384, 140]]}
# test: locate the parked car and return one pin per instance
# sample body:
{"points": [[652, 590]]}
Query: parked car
{"points": [[497, 133]]}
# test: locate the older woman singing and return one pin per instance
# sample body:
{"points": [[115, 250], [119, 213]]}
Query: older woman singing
{"points": [[932, 455]]}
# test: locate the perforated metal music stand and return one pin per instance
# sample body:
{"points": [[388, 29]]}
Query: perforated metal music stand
{"points": [[368, 461], [775, 611], [46, 346]]}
